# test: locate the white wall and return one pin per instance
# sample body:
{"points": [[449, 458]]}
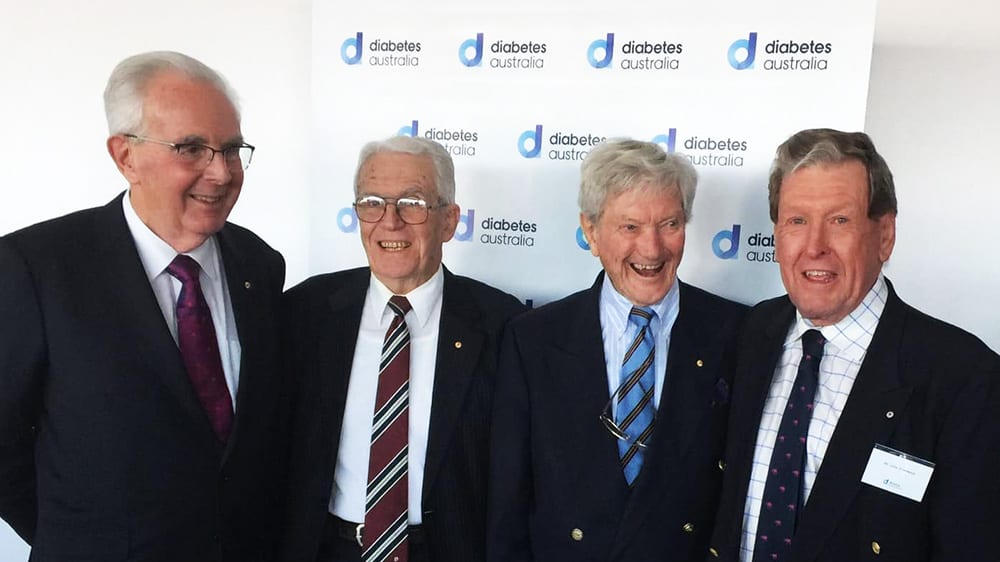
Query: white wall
{"points": [[935, 76]]}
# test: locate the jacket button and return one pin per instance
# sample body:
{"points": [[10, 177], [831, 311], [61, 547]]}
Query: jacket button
{"points": [[576, 534], [722, 465], [713, 552], [876, 548], [688, 527]]}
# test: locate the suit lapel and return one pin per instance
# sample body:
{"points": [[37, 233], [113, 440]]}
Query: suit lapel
{"points": [[460, 342], [140, 315], [578, 370], [760, 351], [246, 287], [336, 339], [863, 423]]}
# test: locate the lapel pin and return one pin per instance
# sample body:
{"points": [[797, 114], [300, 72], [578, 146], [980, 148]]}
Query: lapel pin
{"points": [[889, 414], [699, 363], [458, 345], [246, 285]]}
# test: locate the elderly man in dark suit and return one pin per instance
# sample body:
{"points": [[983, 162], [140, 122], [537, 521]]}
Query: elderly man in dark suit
{"points": [[861, 429], [138, 345], [396, 365], [611, 403]]}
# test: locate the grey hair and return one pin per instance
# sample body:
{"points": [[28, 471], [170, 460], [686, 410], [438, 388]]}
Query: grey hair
{"points": [[444, 167], [829, 146], [124, 95], [619, 165]]}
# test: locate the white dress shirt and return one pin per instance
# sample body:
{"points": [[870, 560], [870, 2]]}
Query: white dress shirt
{"points": [[618, 334], [423, 322], [846, 344], [156, 255]]}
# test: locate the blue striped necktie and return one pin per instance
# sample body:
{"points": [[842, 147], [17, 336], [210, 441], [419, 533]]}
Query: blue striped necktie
{"points": [[636, 412]]}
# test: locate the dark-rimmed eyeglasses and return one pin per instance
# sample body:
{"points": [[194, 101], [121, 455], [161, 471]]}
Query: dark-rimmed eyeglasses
{"points": [[371, 208], [607, 419], [199, 156]]}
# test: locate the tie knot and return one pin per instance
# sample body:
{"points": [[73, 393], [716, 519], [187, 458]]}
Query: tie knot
{"points": [[812, 343], [641, 317], [184, 268], [399, 305]]}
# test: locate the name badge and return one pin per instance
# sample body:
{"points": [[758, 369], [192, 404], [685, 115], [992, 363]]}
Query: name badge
{"points": [[897, 472]]}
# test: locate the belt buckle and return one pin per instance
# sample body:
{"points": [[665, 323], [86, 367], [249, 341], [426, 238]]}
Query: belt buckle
{"points": [[357, 534]]}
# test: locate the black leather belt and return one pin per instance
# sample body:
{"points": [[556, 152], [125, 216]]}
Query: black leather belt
{"points": [[354, 532]]}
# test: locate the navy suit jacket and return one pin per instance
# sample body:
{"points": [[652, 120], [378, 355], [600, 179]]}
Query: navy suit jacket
{"points": [[323, 318], [105, 452], [925, 388], [557, 491]]}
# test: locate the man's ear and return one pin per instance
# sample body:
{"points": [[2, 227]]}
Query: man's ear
{"points": [[121, 152]]}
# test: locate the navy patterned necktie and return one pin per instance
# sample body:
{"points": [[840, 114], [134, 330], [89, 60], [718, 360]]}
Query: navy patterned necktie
{"points": [[200, 348], [783, 495], [636, 411], [386, 507]]}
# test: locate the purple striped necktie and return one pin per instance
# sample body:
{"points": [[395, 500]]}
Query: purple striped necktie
{"points": [[386, 514], [200, 348]]}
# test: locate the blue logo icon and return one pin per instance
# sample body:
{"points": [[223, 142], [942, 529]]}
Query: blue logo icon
{"points": [[608, 45], [731, 236], [581, 240], [750, 46], [347, 220], [534, 136], [466, 226], [349, 43], [667, 141], [476, 44], [410, 130]]}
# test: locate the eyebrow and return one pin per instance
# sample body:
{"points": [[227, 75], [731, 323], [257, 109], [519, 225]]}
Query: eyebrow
{"points": [[198, 139]]}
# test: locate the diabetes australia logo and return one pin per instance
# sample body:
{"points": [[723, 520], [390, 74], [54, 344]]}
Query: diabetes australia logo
{"points": [[502, 53], [779, 54], [636, 54], [457, 141], [565, 146], [759, 246], [381, 51]]}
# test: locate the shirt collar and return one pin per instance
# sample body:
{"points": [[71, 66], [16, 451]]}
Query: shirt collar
{"points": [[156, 255], [423, 299], [620, 308], [854, 332]]}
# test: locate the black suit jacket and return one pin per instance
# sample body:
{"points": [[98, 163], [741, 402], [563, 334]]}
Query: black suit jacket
{"points": [[558, 492], [105, 451], [323, 318], [924, 388]]}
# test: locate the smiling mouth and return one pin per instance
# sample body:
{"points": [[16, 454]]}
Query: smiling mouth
{"points": [[818, 275], [394, 246], [644, 270], [208, 199]]}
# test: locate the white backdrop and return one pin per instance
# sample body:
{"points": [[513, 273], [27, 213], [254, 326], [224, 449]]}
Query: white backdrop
{"points": [[935, 70], [519, 94]]}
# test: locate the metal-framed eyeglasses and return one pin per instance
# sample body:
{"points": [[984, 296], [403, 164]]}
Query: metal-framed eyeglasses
{"points": [[617, 432], [411, 210], [199, 156]]}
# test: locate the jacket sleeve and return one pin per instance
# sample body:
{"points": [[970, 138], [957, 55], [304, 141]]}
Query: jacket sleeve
{"points": [[22, 372]]}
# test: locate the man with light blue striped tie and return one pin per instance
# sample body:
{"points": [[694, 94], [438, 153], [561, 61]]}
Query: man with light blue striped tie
{"points": [[611, 403]]}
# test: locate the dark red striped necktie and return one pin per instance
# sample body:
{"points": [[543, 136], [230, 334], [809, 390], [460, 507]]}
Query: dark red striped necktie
{"points": [[386, 514]]}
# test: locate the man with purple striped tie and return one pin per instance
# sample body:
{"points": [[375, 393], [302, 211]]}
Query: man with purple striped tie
{"points": [[139, 374], [395, 367], [611, 404]]}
